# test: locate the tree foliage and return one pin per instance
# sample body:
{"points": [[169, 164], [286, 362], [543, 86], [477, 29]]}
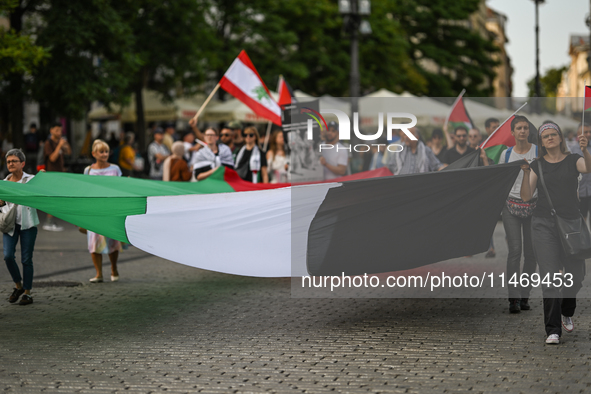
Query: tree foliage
{"points": [[445, 50], [18, 52], [171, 41], [90, 60], [549, 82]]}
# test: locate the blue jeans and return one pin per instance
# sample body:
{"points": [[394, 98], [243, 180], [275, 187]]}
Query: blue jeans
{"points": [[28, 238]]}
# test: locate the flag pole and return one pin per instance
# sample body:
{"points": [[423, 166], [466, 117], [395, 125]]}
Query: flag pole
{"points": [[207, 100], [501, 125], [583, 112], [270, 123]]}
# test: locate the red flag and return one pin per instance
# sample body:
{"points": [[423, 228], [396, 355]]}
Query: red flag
{"points": [[587, 105], [244, 82], [501, 136], [459, 115], [286, 95]]}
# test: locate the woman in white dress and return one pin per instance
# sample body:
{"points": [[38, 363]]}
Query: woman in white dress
{"points": [[99, 244]]}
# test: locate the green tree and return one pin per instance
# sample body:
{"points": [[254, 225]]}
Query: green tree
{"points": [[171, 42], [549, 82], [549, 88], [19, 56], [18, 52], [444, 49], [90, 59], [305, 41]]}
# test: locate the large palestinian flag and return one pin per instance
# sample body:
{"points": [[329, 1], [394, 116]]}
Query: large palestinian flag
{"points": [[366, 226], [499, 140]]}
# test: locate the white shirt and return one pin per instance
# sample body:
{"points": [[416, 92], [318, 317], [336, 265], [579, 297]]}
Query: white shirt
{"points": [[339, 155], [25, 216], [529, 156]]}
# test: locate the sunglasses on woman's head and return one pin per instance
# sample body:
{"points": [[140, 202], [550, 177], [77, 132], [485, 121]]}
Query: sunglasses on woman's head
{"points": [[249, 135]]}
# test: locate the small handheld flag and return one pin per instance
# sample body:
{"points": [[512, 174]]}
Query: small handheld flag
{"points": [[244, 82], [459, 115]]}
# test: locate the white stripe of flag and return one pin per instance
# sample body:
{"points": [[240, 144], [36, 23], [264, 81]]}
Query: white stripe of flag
{"points": [[243, 82]]}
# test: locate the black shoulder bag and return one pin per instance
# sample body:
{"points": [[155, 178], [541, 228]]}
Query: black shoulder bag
{"points": [[574, 234]]}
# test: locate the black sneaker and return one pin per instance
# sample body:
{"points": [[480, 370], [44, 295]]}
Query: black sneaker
{"points": [[514, 306], [16, 295], [524, 304], [26, 300]]}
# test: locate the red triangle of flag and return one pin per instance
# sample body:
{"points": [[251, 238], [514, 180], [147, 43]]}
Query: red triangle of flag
{"points": [[587, 105], [501, 136], [459, 114]]}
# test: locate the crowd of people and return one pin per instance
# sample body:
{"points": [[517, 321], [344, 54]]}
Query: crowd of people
{"points": [[193, 156]]}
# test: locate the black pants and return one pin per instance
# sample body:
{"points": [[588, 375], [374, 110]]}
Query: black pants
{"points": [[514, 227], [551, 260]]}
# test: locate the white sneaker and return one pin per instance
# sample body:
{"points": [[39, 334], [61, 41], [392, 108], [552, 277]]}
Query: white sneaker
{"points": [[553, 339], [53, 227], [567, 324]]}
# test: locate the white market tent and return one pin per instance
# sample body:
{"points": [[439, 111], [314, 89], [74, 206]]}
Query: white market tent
{"points": [[479, 113], [154, 109], [427, 111], [565, 123]]}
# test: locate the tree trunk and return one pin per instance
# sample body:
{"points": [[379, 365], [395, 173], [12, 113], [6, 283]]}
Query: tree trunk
{"points": [[140, 122], [16, 87]]}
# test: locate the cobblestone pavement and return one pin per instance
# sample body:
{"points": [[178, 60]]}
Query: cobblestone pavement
{"points": [[167, 327]]}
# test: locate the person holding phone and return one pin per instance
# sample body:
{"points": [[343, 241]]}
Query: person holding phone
{"points": [[54, 150]]}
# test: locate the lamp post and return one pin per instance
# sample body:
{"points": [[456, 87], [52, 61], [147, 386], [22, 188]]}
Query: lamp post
{"points": [[353, 11], [538, 87]]}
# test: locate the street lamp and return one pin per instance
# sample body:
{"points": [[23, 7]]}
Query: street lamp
{"points": [[538, 87], [353, 12]]}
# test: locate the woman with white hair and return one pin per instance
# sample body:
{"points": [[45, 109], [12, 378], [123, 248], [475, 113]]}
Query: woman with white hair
{"points": [[25, 228], [179, 170]]}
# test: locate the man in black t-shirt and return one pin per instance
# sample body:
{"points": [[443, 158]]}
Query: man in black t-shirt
{"points": [[461, 148]]}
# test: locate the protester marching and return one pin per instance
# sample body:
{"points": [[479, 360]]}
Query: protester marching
{"points": [[297, 142]]}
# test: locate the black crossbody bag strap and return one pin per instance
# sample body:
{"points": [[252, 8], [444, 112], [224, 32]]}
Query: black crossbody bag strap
{"points": [[552, 210]]}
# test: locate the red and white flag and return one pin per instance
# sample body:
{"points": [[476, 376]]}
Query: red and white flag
{"points": [[244, 82]]}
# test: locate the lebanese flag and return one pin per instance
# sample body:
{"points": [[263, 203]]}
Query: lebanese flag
{"points": [[286, 96], [499, 140], [587, 104], [459, 115], [244, 82]]}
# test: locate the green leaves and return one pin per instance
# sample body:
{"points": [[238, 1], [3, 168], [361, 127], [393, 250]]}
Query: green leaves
{"points": [[19, 54]]}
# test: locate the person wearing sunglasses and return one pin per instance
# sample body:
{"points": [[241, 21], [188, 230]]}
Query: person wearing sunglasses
{"points": [[227, 138], [251, 163]]}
